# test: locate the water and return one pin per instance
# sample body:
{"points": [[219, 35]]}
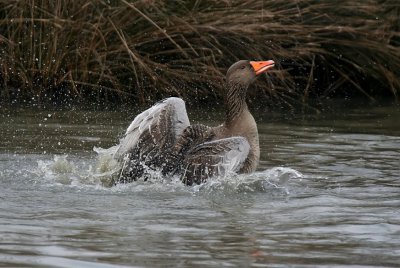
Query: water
{"points": [[327, 193]]}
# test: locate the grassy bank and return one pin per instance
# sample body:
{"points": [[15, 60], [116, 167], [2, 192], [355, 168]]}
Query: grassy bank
{"points": [[141, 51]]}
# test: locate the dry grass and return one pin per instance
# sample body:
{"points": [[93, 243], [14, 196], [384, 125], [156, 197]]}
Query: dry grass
{"points": [[143, 50]]}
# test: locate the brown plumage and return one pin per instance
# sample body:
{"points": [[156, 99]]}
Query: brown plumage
{"points": [[161, 138]]}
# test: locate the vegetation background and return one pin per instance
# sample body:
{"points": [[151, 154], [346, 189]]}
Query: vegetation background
{"points": [[139, 51]]}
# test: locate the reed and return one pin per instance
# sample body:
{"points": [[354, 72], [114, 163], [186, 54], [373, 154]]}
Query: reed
{"points": [[143, 50]]}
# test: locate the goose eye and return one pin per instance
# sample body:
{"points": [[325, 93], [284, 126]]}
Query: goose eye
{"points": [[242, 67]]}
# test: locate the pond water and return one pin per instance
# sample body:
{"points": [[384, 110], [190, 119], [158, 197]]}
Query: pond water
{"points": [[327, 193]]}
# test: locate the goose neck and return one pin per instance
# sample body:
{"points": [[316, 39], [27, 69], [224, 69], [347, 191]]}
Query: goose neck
{"points": [[235, 101]]}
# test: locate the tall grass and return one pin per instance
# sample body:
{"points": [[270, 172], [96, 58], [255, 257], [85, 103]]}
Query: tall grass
{"points": [[143, 50]]}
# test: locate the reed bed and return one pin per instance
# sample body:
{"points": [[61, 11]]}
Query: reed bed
{"points": [[143, 50]]}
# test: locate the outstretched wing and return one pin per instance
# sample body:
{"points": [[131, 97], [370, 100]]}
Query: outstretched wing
{"points": [[154, 130], [214, 158]]}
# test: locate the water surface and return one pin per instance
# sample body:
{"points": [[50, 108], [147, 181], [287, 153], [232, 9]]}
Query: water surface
{"points": [[327, 193]]}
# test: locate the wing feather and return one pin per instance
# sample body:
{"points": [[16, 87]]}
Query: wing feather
{"points": [[215, 158], [156, 127], [153, 131]]}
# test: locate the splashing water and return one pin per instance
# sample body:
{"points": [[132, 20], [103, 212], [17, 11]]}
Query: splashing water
{"points": [[102, 171], [63, 169]]}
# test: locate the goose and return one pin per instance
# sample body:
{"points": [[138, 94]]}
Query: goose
{"points": [[162, 138]]}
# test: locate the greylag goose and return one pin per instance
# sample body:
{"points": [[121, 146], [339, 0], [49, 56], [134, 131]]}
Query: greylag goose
{"points": [[161, 138]]}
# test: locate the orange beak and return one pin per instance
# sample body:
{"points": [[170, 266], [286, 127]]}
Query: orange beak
{"points": [[262, 66]]}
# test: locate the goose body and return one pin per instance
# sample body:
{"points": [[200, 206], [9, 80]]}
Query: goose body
{"points": [[162, 138]]}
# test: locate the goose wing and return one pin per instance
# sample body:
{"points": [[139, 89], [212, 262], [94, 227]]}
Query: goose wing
{"points": [[154, 130], [214, 158]]}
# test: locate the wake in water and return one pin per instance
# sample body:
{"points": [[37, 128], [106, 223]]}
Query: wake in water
{"points": [[102, 171]]}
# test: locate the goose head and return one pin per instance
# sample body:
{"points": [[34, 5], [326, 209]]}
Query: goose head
{"points": [[244, 72]]}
